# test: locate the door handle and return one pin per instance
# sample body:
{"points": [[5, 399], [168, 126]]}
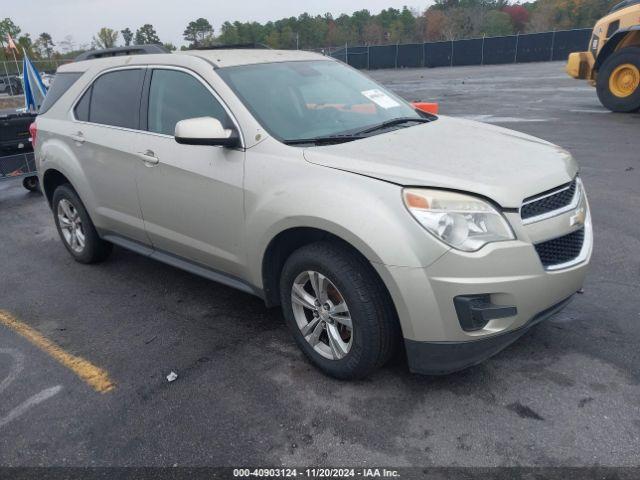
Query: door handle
{"points": [[149, 158], [78, 137]]}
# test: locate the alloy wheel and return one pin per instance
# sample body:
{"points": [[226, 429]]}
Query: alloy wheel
{"points": [[71, 226], [322, 315]]}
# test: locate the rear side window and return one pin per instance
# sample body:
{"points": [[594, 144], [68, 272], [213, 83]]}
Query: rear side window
{"points": [[115, 98], [61, 83], [82, 107], [175, 96]]}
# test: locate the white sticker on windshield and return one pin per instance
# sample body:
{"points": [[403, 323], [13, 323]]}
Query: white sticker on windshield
{"points": [[380, 98]]}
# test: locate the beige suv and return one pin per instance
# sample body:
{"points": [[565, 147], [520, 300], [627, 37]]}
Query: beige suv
{"points": [[293, 177]]}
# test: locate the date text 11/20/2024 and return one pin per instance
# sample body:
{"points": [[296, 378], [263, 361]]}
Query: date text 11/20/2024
{"points": [[316, 472]]}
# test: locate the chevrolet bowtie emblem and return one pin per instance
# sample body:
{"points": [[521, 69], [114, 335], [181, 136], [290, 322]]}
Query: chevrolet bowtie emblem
{"points": [[578, 218]]}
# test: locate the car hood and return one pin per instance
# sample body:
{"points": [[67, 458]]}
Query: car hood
{"points": [[501, 164]]}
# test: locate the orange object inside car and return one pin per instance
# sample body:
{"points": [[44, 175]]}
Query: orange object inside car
{"points": [[370, 108], [365, 108]]}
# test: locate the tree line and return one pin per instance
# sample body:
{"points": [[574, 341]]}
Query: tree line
{"points": [[444, 20]]}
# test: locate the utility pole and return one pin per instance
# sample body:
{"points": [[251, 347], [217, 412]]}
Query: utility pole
{"points": [[16, 60]]}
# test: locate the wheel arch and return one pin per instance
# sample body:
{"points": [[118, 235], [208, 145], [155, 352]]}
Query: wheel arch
{"points": [[52, 179], [622, 38], [285, 243]]}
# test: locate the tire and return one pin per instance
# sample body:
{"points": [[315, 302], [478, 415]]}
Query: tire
{"points": [[31, 184], [67, 204], [375, 333], [621, 101]]}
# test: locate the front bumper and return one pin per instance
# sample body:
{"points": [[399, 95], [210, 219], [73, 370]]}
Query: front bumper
{"points": [[441, 358], [504, 274], [580, 65]]}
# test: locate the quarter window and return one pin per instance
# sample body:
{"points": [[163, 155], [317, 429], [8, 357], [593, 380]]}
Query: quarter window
{"points": [[175, 96], [82, 107], [61, 83], [115, 98]]}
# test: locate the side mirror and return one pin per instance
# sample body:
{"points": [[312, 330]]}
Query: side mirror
{"points": [[205, 131]]}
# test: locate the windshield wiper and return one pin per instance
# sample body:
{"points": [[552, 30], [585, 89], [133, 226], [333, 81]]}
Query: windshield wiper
{"points": [[326, 140], [355, 135], [392, 123]]}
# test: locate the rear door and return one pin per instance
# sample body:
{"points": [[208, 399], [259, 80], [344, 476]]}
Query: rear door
{"points": [[191, 195], [105, 137]]}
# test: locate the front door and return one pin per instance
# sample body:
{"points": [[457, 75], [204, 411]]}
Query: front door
{"points": [[191, 195]]}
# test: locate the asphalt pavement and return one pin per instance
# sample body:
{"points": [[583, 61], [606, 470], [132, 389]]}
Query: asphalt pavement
{"points": [[566, 394]]}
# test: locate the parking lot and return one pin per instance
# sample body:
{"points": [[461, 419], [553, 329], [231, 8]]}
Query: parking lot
{"points": [[566, 394]]}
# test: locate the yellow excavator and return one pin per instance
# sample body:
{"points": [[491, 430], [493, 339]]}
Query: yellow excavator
{"points": [[612, 63]]}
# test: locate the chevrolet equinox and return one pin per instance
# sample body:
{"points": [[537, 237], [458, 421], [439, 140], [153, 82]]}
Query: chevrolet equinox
{"points": [[294, 177]]}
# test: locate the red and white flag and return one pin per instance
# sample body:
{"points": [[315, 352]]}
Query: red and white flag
{"points": [[12, 45]]}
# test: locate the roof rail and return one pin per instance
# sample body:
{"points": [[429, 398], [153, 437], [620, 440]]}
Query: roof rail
{"points": [[120, 51], [624, 4], [235, 46]]}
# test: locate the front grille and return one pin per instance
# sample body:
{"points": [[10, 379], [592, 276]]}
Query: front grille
{"points": [[548, 202], [560, 250]]}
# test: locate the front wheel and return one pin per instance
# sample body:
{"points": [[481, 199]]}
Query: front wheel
{"points": [[618, 82], [338, 309]]}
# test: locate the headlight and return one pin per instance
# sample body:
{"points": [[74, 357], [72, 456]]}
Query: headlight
{"points": [[461, 221]]}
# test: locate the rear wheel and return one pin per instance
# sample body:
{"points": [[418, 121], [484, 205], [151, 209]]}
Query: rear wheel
{"points": [[76, 228], [618, 83], [338, 309]]}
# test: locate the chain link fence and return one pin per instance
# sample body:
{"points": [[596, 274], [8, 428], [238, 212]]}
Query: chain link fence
{"points": [[532, 47]]}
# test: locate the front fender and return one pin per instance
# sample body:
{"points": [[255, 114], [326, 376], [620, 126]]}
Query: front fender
{"points": [[612, 45], [366, 213]]}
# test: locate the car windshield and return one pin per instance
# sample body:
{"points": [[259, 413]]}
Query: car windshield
{"points": [[294, 101]]}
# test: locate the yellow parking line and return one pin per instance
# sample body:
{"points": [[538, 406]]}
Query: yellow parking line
{"points": [[95, 377]]}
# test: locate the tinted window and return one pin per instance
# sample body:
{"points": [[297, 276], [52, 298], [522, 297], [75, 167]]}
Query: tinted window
{"points": [[176, 96], [82, 107], [61, 83], [115, 98]]}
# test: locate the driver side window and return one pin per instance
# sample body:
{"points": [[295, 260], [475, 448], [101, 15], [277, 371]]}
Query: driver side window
{"points": [[175, 96]]}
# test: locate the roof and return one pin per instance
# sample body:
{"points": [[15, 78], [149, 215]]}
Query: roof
{"points": [[230, 58], [219, 58]]}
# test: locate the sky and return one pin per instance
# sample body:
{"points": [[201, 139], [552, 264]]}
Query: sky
{"points": [[83, 18]]}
